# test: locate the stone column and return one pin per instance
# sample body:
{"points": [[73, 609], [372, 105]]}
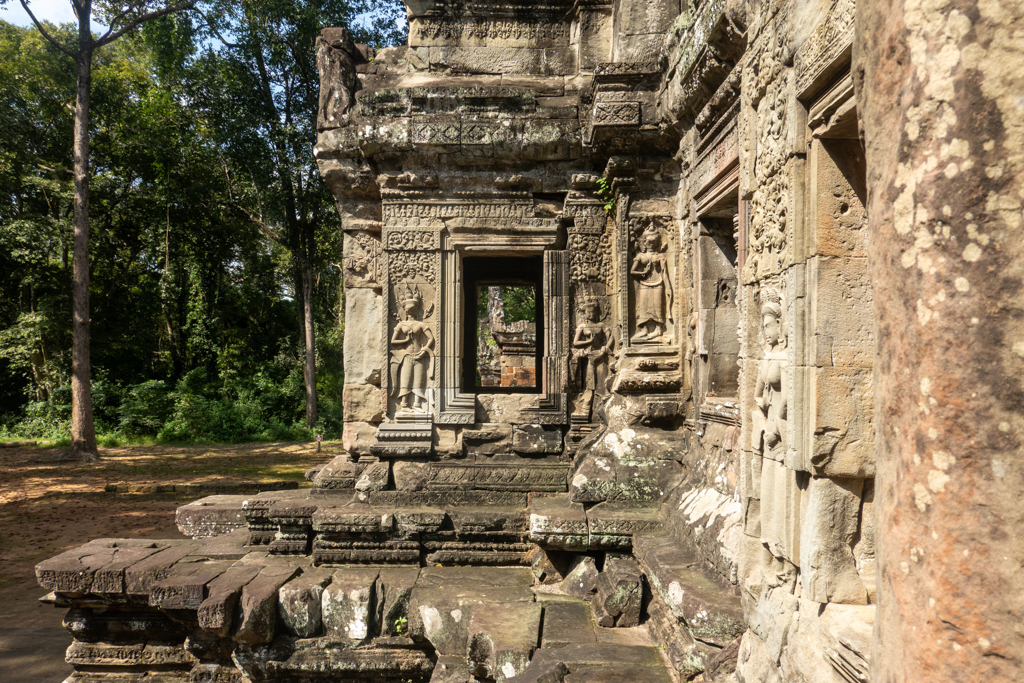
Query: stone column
{"points": [[940, 89]]}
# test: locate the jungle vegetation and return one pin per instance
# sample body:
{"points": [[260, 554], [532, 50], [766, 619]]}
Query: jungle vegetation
{"points": [[214, 248]]}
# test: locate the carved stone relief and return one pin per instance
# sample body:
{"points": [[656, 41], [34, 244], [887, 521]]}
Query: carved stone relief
{"points": [[652, 277], [592, 357], [773, 128], [764, 60], [407, 265], [771, 391], [412, 351], [362, 260], [334, 59], [768, 249], [820, 53]]}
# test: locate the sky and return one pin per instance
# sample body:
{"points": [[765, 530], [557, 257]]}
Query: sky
{"points": [[56, 11]]}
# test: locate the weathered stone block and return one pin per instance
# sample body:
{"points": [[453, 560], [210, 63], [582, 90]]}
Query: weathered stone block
{"points": [[620, 590], [842, 287], [410, 476], [451, 669], [488, 439], [546, 569], [375, 477], [443, 601], [361, 403], [711, 611], [829, 524], [394, 590], [299, 603], [581, 580], [358, 437], [502, 639], [362, 336], [349, 604], [844, 435], [557, 522], [217, 612], [340, 473], [567, 623], [534, 439], [259, 603], [210, 516]]}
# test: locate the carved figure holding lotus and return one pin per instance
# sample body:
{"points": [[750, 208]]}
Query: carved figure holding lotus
{"points": [[654, 287], [412, 354]]}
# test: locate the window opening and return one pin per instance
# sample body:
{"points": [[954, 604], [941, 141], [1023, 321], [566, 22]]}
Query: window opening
{"points": [[503, 323]]}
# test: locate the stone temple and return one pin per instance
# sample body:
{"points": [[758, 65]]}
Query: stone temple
{"points": [[684, 342]]}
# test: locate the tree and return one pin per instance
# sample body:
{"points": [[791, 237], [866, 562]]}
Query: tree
{"points": [[122, 18], [273, 75]]}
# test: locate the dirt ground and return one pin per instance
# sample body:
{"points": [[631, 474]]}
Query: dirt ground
{"points": [[47, 508]]}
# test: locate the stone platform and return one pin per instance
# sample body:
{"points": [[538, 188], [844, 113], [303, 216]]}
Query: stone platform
{"points": [[219, 610], [372, 586]]}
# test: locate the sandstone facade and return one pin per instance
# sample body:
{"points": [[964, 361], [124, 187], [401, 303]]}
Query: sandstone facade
{"points": [[773, 389]]}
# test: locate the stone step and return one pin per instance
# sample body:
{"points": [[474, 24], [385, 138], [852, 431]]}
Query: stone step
{"points": [[604, 662], [568, 622], [557, 522], [712, 612]]}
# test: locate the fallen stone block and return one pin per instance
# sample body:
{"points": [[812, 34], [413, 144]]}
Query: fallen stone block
{"points": [[601, 616], [618, 674], [451, 669], [543, 670], [711, 611], [581, 580], [548, 567], [502, 638], [619, 591]]}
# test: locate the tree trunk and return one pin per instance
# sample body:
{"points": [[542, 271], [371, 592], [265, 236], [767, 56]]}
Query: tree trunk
{"points": [[310, 370], [298, 242], [83, 432]]}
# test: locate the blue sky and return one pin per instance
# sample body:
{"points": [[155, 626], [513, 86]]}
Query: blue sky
{"points": [[57, 11]]}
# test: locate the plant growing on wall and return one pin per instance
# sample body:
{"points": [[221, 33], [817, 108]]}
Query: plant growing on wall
{"points": [[605, 192]]}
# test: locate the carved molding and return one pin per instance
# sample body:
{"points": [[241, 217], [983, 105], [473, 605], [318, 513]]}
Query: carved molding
{"points": [[827, 49]]}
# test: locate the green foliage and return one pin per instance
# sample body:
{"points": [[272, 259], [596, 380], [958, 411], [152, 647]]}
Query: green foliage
{"points": [[518, 301], [401, 626], [604, 191], [195, 243]]}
